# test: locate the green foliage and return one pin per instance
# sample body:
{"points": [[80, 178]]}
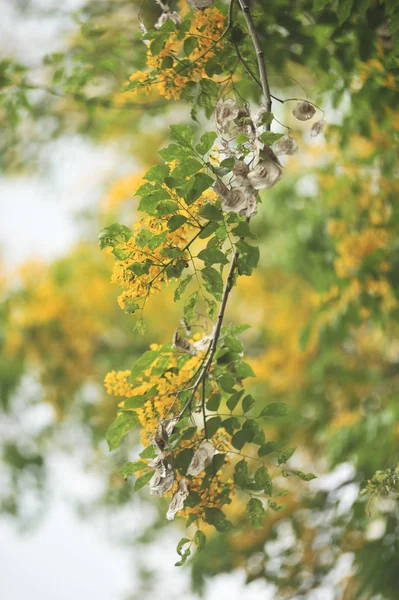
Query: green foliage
{"points": [[123, 423]]}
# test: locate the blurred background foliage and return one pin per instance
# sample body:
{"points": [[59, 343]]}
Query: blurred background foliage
{"points": [[323, 305]]}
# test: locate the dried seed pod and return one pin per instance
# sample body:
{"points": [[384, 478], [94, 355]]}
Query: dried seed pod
{"points": [[221, 189], [200, 4], [163, 478], [304, 111], [285, 145], [252, 206], [226, 111], [186, 326], [201, 459], [234, 201], [168, 16], [178, 499], [203, 343], [317, 128], [161, 436], [265, 175], [183, 344], [241, 170]]}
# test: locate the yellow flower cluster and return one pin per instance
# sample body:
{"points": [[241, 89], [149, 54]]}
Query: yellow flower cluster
{"points": [[140, 287], [207, 26], [357, 246], [168, 383], [164, 404], [57, 319]]}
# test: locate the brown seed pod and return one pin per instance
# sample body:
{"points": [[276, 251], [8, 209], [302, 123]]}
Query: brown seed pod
{"points": [[304, 111]]}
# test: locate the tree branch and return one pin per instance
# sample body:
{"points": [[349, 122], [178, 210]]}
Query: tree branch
{"points": [[259, 53]]}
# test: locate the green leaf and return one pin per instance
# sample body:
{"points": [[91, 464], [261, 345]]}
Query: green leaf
{"points": [[196, 187], [144, 362], [240, 438], [165, 207], [255, 512], [131, 467], [344, 10], [244, 370], [208, 94], [215, 517], [320, 4], [212, 425], [268, 137], [183, 459], [269, 447], [157, 173], [210, 212], [217, 463], [148, 452], [175, 152], [213, 281], [275, 409], [183, 559], [212, 256], [206, 142], [119, 428], [214, 402], [189, 306], [234, 400], [233, 343], [190, 44], [263, 481], [200, 540], [191, 519], [258, 433], [227, 383], [303, 476], [247, 403], [167, 62], [242, 230], [142, 481], [181, 288], [210, 307], [183, 134], [267, 118], [284, 456], [176, 222], [135, 402], [180, 545], [186, 168], [231, 424], [241, 477]]}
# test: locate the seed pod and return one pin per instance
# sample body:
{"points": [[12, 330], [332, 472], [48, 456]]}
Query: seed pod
{"points": [[168, 16], [221, 189], [317, 128], [304, 111], [234, 201], [265, 175], [183, 344], [201, 459], [241, 170], [203, 343], [226, 111], [163, 478], [200, 4], [161, 436], [178, 499], [285, 145]]}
